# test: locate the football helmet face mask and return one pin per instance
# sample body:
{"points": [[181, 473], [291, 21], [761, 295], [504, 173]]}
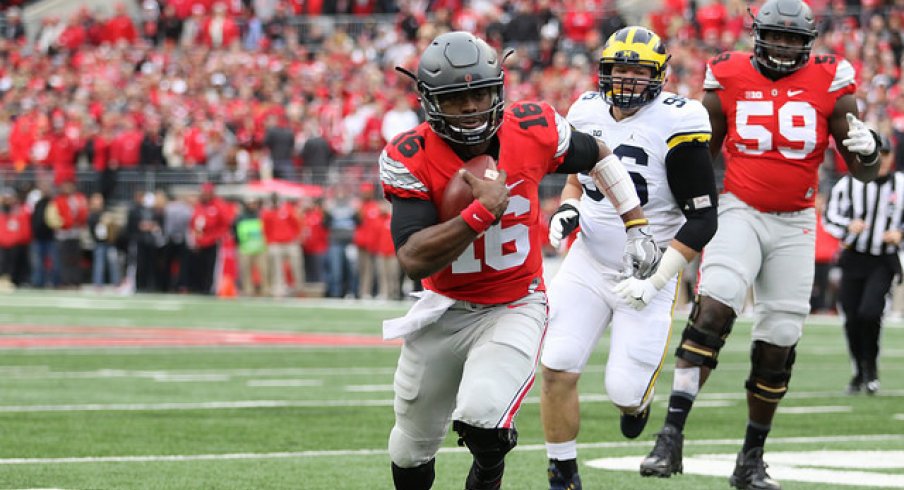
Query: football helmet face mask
{"points": [[781, 18], [455, 63], [633, 46]]}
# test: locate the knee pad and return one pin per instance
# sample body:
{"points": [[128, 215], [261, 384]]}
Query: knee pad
{"points": [[417, 478], [704, 335], [779, 327], [770, 371], [407, 452], [489, 446]]}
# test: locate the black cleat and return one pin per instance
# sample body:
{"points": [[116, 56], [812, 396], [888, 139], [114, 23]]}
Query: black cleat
{"points": [[476, 481], [665, 458], [557, 480], [750, 472], [632, 425], [855, 386]]}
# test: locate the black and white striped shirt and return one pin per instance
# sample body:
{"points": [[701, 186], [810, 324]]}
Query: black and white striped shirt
{"points": [[880, 204]]}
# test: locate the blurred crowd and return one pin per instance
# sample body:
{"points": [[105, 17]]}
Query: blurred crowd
{"points": [[239, 90]]}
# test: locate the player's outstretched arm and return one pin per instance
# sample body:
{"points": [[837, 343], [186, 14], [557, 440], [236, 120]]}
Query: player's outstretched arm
{"points": [[425, 247], [858, 145]]}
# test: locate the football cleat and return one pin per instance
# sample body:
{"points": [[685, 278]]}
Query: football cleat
{"points": [[750, 472], [632, 424], [855, 385], [557, 480], [665, 458]]}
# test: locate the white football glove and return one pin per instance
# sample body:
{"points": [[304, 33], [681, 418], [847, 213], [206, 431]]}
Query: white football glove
{"points": [[636, 292], [860, 139], [641, 253], [563, 222]]}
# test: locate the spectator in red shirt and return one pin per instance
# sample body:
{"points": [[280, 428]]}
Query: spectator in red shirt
{"points": [[194, 145], [315, 242], [387, 263], [125, 149], [120, 27], [219, 30], [62, 151], [208, 226], [366, 234], [72, 207], [283, 232], [824, 294], [15, 234]]}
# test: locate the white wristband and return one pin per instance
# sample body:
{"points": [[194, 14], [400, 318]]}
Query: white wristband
{"points": [[576, 204], [612, 178], [670, 265]]}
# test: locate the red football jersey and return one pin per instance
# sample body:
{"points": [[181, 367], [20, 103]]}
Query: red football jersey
{"points": [[778, 130], [505, 263]]}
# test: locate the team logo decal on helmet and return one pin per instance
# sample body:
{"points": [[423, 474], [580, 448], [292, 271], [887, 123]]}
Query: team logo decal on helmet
{"points": [[453, 63], [789, 17], [636, 46]]}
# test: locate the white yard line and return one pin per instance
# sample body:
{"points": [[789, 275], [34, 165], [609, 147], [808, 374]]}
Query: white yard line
{"points": [[713, 400], [368, 452]]}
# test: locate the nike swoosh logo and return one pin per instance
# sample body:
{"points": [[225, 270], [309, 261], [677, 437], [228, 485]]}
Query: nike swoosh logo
{"points": [[792, 93], [512, 186], [476, 217]]}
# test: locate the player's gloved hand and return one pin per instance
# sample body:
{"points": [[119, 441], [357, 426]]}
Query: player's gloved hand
{"points": [[641, 253], [860, 139], [564, 221], [636, 292]]}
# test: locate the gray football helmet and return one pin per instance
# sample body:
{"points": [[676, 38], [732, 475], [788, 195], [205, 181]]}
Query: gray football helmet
{"points": [[456, 62], [788, 16]]}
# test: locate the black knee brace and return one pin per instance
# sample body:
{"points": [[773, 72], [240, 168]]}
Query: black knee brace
{"points": [[770, 370], [417, 478], [708, 335], [489, 446]]}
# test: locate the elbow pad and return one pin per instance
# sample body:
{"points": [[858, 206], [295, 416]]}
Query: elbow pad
{"points": [[612, 178]]}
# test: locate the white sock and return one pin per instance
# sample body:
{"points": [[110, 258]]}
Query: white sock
{"points": [[687, 380], [562, 450]]}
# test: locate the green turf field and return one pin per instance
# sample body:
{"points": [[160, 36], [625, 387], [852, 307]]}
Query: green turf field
{"points": [[172, 392]]}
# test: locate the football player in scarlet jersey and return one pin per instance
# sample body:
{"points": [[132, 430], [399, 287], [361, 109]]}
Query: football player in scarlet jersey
{"points": [[471, 342], [774, 110], [662, 139]]}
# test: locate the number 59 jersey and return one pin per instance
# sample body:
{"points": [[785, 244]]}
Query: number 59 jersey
{"points": [[777, 130], [642, 141]]}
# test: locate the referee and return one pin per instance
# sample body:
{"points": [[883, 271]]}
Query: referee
{"points": [[867, 218]]}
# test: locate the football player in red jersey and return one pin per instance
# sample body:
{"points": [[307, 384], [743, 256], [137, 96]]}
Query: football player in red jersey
{"points": [[774, 109], [472, 341]]}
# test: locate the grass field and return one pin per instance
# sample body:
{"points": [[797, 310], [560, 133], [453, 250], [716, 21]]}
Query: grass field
{"points": [[166, 392]]}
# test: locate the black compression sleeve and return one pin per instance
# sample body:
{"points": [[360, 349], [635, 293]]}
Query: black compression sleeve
{"points": [[692, 181], [408, 217], [583, 153]]}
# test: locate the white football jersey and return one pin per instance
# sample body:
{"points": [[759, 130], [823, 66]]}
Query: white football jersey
{"points": [[642, 142]]}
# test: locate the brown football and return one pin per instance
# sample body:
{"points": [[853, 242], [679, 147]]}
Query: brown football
{"points": [[457, 195]]}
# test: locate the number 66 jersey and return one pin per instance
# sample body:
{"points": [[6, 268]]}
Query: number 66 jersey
{"points": [[777, 130], [644, 142]]}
